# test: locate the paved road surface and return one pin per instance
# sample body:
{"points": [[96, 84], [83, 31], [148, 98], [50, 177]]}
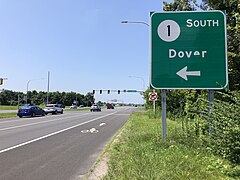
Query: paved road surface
{"points": [[8, 111], [57, 147]]}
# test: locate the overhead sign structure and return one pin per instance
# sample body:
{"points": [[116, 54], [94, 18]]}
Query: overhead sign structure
{"points": [[152, 96], [188, 50]]}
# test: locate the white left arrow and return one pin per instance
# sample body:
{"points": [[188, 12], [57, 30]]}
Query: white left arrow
{"points": [[183, 73]]}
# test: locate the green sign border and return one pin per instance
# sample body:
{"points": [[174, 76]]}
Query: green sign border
{"points": [[185, 87]]}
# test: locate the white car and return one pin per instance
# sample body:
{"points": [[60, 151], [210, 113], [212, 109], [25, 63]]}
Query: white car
{"points": [[73, 106], [53, 108], [95, 107]]}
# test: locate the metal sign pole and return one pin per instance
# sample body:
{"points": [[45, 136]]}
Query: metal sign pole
{"points": [[210, 103], [164, 121], [154, 104], [154, 107]]}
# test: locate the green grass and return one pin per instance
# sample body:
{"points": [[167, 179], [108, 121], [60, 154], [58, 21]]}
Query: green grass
{"points": [[140, 153], [7, 115], [67, 108], [8, 107]]}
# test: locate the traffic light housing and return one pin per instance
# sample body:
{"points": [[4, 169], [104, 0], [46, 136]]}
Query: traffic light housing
{"points": [[108, 91], [93, 91], [100, 91], [118, 91], [1, 81]]}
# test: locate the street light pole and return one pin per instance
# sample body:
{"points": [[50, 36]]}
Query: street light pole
{"points": [[28, 85], [163, 95], [135, 22], [48, 86]]}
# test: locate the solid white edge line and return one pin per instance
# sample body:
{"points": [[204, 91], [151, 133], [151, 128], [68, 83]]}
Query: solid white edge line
{"points": [[51, 134]]}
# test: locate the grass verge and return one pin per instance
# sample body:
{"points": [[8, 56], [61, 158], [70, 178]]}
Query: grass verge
{"points": [[8, 107], [8, 115], [141, 153], [78, 109]]}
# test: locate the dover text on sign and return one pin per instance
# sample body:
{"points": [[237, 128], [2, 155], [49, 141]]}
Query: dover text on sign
{"points": [[188, 50]]}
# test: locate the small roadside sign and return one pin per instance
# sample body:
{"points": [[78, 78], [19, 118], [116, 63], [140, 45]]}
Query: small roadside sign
{"points": [[153, 96]]}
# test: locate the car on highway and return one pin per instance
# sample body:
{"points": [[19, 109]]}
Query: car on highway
{"points": [[53, 109], [95, 107], [30, 110], [109, 106], [73, 106]]}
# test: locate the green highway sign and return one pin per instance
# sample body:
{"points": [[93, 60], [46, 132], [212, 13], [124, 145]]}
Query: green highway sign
{"points": [[189, 50], [132, 91]]}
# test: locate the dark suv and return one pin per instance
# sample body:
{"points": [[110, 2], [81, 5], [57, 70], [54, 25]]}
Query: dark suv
{"points": [[110, 106]]}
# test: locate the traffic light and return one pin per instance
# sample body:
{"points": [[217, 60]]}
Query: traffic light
{"points": [[118, 91], [93, 91], [108, 91], [100, 91], [1, 81]]}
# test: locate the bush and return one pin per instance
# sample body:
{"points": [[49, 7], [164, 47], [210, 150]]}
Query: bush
{"points": [[219, 126]]}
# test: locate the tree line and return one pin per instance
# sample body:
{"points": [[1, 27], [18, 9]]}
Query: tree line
{"points": [[8, 97]]}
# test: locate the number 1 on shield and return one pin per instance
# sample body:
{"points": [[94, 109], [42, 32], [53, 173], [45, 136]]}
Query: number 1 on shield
{"points": [[168, 26]]}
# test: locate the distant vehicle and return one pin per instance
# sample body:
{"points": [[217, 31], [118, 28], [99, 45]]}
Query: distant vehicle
{"points": [[73, 106], [53, 108], [81, 106], [109, 106], [95, 107], [30, 111], [61, 105]]}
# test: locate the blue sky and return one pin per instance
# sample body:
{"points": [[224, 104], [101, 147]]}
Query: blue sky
{"points": [[81, 42]]}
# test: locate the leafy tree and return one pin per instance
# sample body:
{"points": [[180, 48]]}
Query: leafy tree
{"points": [[89, 99], [42, 97], [180, 5], [8, 97]]}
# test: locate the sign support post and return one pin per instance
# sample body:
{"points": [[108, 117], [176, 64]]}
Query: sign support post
{"points": [[154, 104], [164, 119], [210, 103]]}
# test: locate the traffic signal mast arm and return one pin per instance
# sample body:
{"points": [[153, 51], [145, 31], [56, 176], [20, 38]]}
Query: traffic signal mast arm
{"points": [[118, 91]]}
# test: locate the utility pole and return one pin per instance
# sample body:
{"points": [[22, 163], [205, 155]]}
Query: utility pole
{"points": [[48, 86]]}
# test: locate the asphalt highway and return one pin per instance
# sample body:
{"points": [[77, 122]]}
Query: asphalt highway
{"points": [[56, 147]]}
